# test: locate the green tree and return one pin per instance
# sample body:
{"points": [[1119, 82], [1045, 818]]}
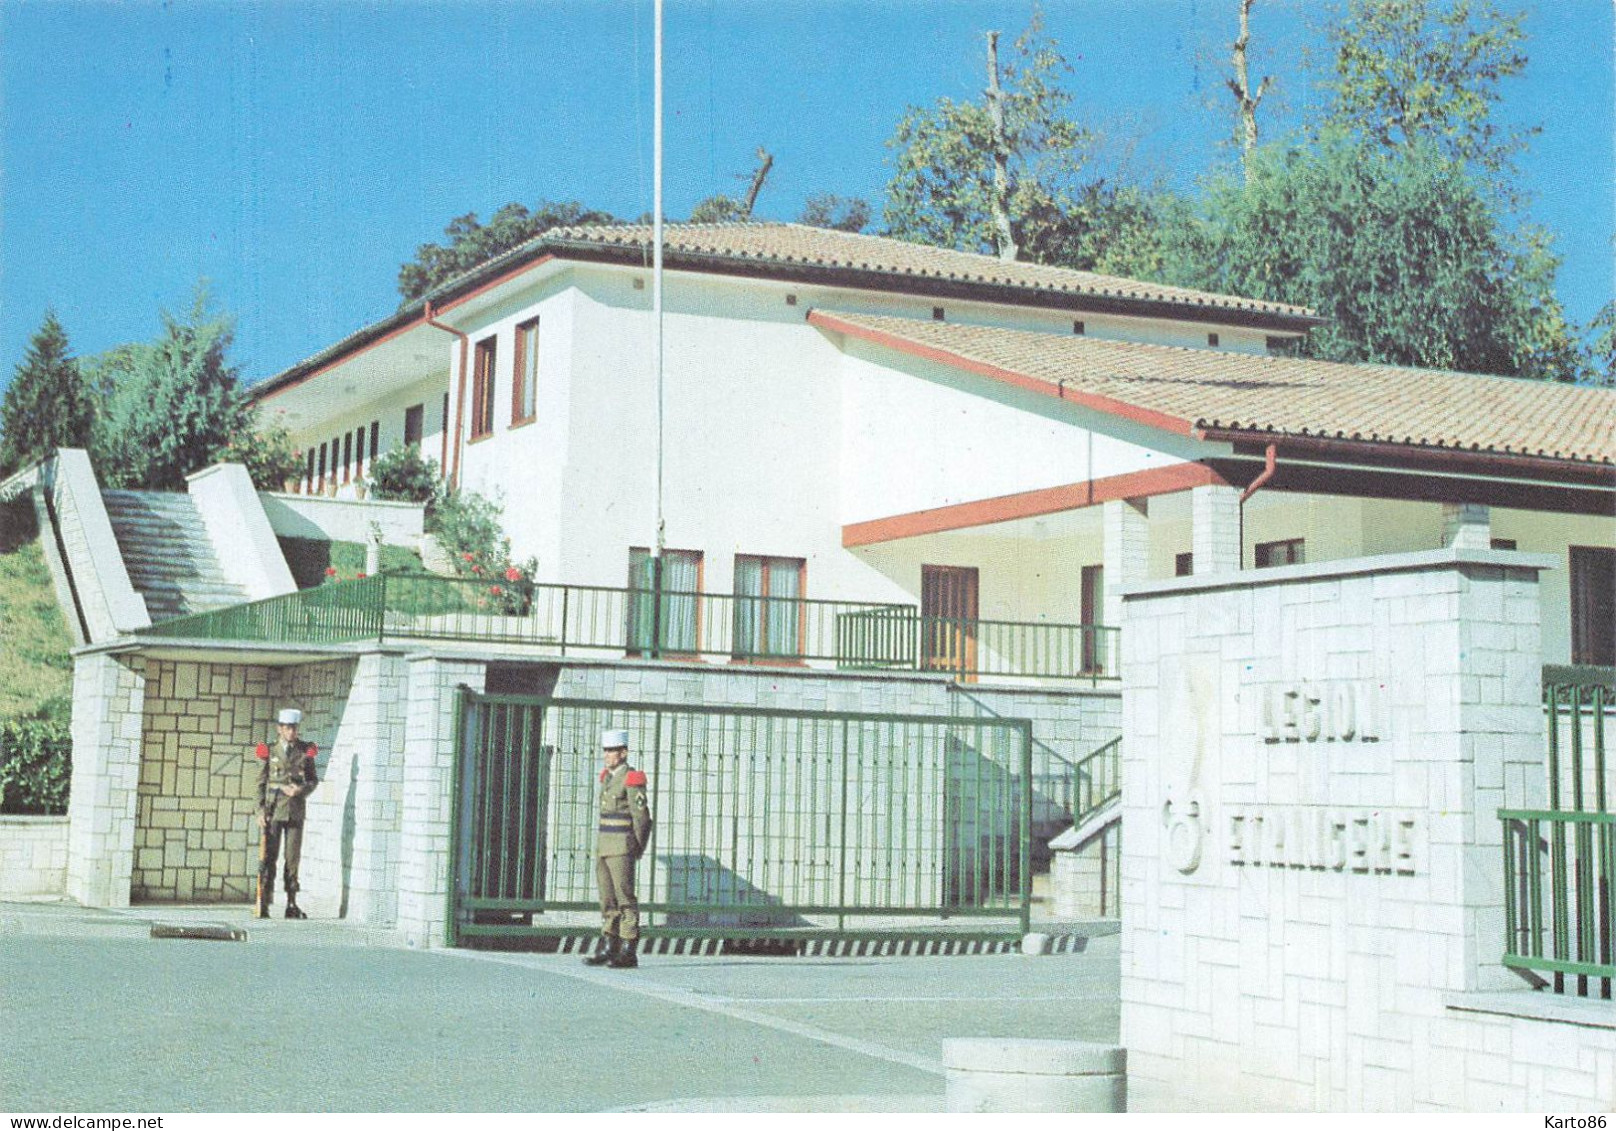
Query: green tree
{"points": [[1426, 73], [1602, 346], [841, 213], [471, 242], [173, 406], [268, 454], [47, 405], [943, 192], [1403, 251]]}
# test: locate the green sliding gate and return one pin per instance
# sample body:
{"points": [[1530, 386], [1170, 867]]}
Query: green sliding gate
{"points": [[770, 824]]}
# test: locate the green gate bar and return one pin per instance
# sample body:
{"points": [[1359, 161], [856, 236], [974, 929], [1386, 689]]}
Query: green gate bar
{"points": [[769, 823]]}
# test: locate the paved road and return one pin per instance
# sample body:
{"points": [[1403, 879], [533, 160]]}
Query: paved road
{"points": [[96, 1015]]}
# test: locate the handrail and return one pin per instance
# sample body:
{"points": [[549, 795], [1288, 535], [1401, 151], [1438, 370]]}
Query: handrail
{"points": [[1559, 917], [679, 624]]}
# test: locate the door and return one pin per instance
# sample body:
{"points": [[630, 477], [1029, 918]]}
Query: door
{"points": [[1093, 614], [948, 619]]}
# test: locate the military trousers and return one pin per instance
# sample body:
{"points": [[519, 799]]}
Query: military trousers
{"points": [[274, 833], [619, 908]]}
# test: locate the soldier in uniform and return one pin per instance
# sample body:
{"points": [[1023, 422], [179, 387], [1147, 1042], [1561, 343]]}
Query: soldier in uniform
{"points": [[285, 779], [624, 832]]}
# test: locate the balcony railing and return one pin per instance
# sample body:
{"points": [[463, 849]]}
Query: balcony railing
{"points": [[600, 620]]}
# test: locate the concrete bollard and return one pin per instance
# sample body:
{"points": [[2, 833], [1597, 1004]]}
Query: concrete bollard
{"points": [[1012, 1074]]}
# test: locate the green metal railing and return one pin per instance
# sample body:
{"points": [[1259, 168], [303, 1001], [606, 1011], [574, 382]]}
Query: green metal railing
{"points": [[1560, 862], [329, 614], [769, 823], [591, 619], [1558, 872]]}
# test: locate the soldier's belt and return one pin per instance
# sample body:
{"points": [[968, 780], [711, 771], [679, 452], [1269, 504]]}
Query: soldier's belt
{"points": [[617, 824]]}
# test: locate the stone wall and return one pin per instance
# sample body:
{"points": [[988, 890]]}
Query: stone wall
{"points": [[33, 856], [195, 831], [108, 701], [1314, 757]]}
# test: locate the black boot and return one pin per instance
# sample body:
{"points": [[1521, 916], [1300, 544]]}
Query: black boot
{"points": [[293, 911], [625, 959], [604, 957]]}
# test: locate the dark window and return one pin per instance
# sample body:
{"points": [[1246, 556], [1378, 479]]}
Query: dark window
{"points": [[1288, 552], [1183, 565], [676, 607], [375, 438], [1077, 327], [482, 389], [320, 484], [308, 475], [1211, 339], [525, 372], [1503, 544], [768, 606], [936, 314], [359, 452], [1281, 346], [1593, 605], [347, 456], [412, 424]]}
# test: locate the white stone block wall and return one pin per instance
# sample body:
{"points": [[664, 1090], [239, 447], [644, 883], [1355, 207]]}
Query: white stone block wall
{"points": [[196, 837], [351, 853], [427, 795], [108, 700], [1215, 528], [1127, 551], [33, 856], [1314, 757]]}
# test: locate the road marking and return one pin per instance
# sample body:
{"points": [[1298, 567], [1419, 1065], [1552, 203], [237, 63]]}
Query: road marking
{"points": [[636, 983]]}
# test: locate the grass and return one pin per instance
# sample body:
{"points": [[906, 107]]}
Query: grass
{"points": [[309, 558], [36, 671]]}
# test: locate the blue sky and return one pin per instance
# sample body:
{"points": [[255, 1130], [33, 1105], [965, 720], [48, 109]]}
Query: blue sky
{"points": [[293, 154]]}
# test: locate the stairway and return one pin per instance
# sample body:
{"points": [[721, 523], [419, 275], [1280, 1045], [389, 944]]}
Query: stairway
{"points": [[167, 553]]}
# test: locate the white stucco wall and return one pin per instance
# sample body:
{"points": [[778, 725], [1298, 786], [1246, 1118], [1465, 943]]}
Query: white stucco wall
{"points": [[919, 434]]}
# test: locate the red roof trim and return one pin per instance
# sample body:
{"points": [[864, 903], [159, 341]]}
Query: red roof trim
{"points": [[424, 320], [1029, 504], [1036, 385]]}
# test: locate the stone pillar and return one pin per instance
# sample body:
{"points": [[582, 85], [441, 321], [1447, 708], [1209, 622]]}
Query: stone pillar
{"points": [[1127, 551], [109, 696], [1215, 528], [1313, 760], [1467, 526], [361, 796], [428, 794]]}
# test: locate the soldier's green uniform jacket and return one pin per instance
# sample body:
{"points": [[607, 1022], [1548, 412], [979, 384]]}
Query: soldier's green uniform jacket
{"points": [[291, 764], [625, 813]]}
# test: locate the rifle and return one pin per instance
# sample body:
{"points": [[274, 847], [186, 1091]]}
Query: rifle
{"points": [[262, 753]]}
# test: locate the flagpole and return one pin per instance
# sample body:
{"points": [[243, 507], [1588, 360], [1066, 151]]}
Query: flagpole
{"points": [[656, 328]]}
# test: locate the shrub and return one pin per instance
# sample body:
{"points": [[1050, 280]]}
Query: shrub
{"points": [[404, 475], [468, 526], [35, 764], [269, 456]]}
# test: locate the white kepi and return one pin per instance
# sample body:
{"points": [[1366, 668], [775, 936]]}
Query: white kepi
{"points": [[614, 740], [289, 717]]}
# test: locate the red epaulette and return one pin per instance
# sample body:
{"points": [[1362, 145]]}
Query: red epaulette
{"points": [[635, 777], [313, 751], [603, 774], [261, 752]]}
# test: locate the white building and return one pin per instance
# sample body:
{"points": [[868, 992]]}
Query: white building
{"points": [[850, 417]]}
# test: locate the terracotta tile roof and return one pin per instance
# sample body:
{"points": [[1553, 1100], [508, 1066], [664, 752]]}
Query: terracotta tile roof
{"points": [[1203, 388], [801, 245]]}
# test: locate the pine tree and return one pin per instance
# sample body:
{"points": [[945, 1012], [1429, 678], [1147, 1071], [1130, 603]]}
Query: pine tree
{"points": [[47, 405]]}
